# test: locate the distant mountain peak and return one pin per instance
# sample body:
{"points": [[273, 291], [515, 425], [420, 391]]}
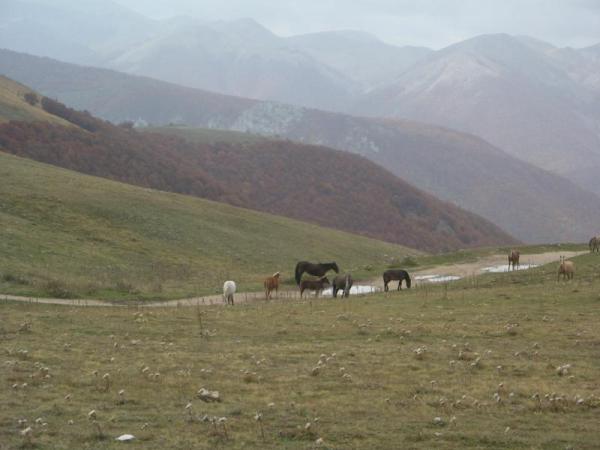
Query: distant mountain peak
{"points": [[244, 27]]}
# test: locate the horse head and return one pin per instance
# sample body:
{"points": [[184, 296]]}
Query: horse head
{"points": [[276, 275], [324, 280], [335, 267]]}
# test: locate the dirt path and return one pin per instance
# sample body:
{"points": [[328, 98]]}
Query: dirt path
{"points": [[459, 269], [476, 267]]}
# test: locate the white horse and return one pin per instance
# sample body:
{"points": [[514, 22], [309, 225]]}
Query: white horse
{"points": [[228, 291]]}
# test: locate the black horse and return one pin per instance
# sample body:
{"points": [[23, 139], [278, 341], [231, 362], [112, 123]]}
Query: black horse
{"points": [[399, 275], [317, 270]]}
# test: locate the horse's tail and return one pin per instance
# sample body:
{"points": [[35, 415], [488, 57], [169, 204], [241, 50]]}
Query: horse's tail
{"points": [[298, 274], [407, 279]]}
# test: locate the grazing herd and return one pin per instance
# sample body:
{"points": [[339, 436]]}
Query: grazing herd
{"points": [[344, 282]]}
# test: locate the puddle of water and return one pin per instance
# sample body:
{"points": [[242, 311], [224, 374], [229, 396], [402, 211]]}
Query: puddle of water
{"points": [[357, 289], [504, 268], [437, 278]]}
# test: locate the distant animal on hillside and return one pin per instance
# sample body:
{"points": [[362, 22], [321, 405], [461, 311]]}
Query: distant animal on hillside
{"points": [[271, 284], [316, 270], [513, 259], [395, 274], [342, 283], [314, 285], [595, 244], [566, 269], [228, 291]]}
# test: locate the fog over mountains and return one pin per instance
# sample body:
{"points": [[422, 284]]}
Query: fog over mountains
{"points": [[538, 105]]}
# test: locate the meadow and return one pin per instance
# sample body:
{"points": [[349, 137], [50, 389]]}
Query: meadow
{"points": [[501, 361], [69, 235]]}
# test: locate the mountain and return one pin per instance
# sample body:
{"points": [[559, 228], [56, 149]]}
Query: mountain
{"points": [[359, 55], [531, 204], [68, 234], [238, 58], [538, 103], [82, 32], [309, 183]]}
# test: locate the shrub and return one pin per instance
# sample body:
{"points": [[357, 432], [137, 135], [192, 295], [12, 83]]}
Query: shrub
{"points": [[31, 98]]}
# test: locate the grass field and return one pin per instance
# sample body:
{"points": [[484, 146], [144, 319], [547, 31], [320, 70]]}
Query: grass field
{"points": [[14, 107], [64, 234], [471, 365]]}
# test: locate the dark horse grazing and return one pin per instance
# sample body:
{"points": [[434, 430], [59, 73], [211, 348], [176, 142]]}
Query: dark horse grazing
{"points": [[513, 258], [317, 270], [314, 285], [397, 274], [343, 283]]}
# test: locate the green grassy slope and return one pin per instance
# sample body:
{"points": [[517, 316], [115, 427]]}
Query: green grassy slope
{"points": [[63, 233], [14, 107], [260, 357]]}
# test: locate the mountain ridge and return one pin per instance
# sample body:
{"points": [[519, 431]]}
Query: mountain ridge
{"points": [[309, 183], [451, 165]]}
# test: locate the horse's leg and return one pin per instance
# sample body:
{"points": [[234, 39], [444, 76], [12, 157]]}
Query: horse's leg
{"points": [[399, 285], [385, 286]]}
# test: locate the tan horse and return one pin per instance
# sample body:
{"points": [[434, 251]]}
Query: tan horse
{"points": [[271, 284], [566, 269], [513, 258]]}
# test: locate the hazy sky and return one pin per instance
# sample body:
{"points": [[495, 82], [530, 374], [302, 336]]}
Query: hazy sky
{"points": [[432, 23]]}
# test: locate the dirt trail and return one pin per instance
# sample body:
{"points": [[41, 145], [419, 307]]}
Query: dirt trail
{"points": [[459, 269], [476, 267]]}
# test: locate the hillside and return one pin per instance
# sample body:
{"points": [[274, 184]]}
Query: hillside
{"points": [[314, 184], [531, 204], [535, 101], [67, 234], [18, 102]]}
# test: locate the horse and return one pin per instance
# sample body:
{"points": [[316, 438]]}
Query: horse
{"points": [[342, 282], [271, 284], [317, 270], [314, 285], [397, 274], [566, 269], [594, 244], [513, 258], [228, 291]]}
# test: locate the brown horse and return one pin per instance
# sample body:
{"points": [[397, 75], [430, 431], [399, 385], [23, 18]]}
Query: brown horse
{"points": [[317, 270], [271, 284], [566, 269], [314, 285], [513, 258], [399, 275]]}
